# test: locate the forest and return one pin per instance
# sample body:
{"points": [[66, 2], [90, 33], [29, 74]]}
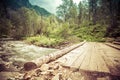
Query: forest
{"points": [[90, 20]]}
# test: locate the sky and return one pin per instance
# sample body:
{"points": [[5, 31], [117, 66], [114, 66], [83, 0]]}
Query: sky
{"points": [[49, 5]]}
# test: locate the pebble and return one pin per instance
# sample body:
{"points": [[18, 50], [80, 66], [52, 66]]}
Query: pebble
{"points": [[44, 67], [57, 76]]}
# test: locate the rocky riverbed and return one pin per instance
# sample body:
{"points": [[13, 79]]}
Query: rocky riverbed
{"points": [[13, 54]]}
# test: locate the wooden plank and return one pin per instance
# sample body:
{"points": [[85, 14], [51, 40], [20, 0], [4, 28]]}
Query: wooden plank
{"points": [[109, 51], [86, 61], [64, 59], [76, 54], [70, 57], [93, 62], [118, 43], [109, 62], [113, 45], [102, 67], [79, 60]]}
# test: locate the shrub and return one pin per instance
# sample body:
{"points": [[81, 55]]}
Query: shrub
{"points": [[42, 40]]}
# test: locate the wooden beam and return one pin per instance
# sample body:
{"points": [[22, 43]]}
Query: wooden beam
{"points": [[113, 45]]}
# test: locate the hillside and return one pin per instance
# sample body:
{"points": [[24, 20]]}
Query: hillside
{"points": [[15, 4]]}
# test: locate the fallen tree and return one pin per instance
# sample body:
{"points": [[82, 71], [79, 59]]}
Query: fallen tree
{"points": [[51, 57]]}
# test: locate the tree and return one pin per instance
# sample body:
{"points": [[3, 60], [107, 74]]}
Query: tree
{"points": [[80, 12], [62, 10], [72, 13], [26, 22], [67, 10], [114, 25], [92, 10]]}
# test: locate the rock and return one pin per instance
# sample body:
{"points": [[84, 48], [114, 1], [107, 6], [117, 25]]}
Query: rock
{"points": [[19, 77], [44, 67], [18, 64], [57, 77], [44, 73], [29, 75], [69, 79], [11, 79], [38, 78], [29, 66], [5, 58], [48, 73], [1, 61], [8, 75], [38, 71], [1, 49], [2, 67], [27, 78], [11, 68], [56, 67]]}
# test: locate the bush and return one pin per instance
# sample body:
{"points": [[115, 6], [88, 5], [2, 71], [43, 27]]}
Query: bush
{"points": [[90, 32], [44, 41], [62, 31]]}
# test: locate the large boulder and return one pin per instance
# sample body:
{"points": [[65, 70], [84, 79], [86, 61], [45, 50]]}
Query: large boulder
{"points": [[29, 66]]}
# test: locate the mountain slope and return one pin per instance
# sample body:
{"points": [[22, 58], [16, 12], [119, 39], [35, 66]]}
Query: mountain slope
{"points": [[15, 4]]}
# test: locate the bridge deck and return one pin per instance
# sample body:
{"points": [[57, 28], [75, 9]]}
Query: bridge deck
{"points": [[93, 57]]}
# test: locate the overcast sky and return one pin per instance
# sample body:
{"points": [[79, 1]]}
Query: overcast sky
{"points": [[49, 5]]}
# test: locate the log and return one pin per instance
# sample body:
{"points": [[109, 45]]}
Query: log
{"points": [[53, 56], [118, 43]]}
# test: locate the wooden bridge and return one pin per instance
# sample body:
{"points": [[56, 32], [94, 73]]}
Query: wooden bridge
{"points": [[94, 57]]}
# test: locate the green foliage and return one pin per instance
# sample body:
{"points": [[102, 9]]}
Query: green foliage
{"points": [[91, 32], [42, 40], [63, 31], [25, 21], [73, 24], [67, 10], [5, 27]]}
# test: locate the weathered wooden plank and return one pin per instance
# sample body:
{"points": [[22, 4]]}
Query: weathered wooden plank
{"points": [[79, 60], [109, 62], [77, 52], [64, 59], [109, 51], [70, 57], [118, 43], [93, 62], [86, 61], [113, 45], [102, 67]]}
